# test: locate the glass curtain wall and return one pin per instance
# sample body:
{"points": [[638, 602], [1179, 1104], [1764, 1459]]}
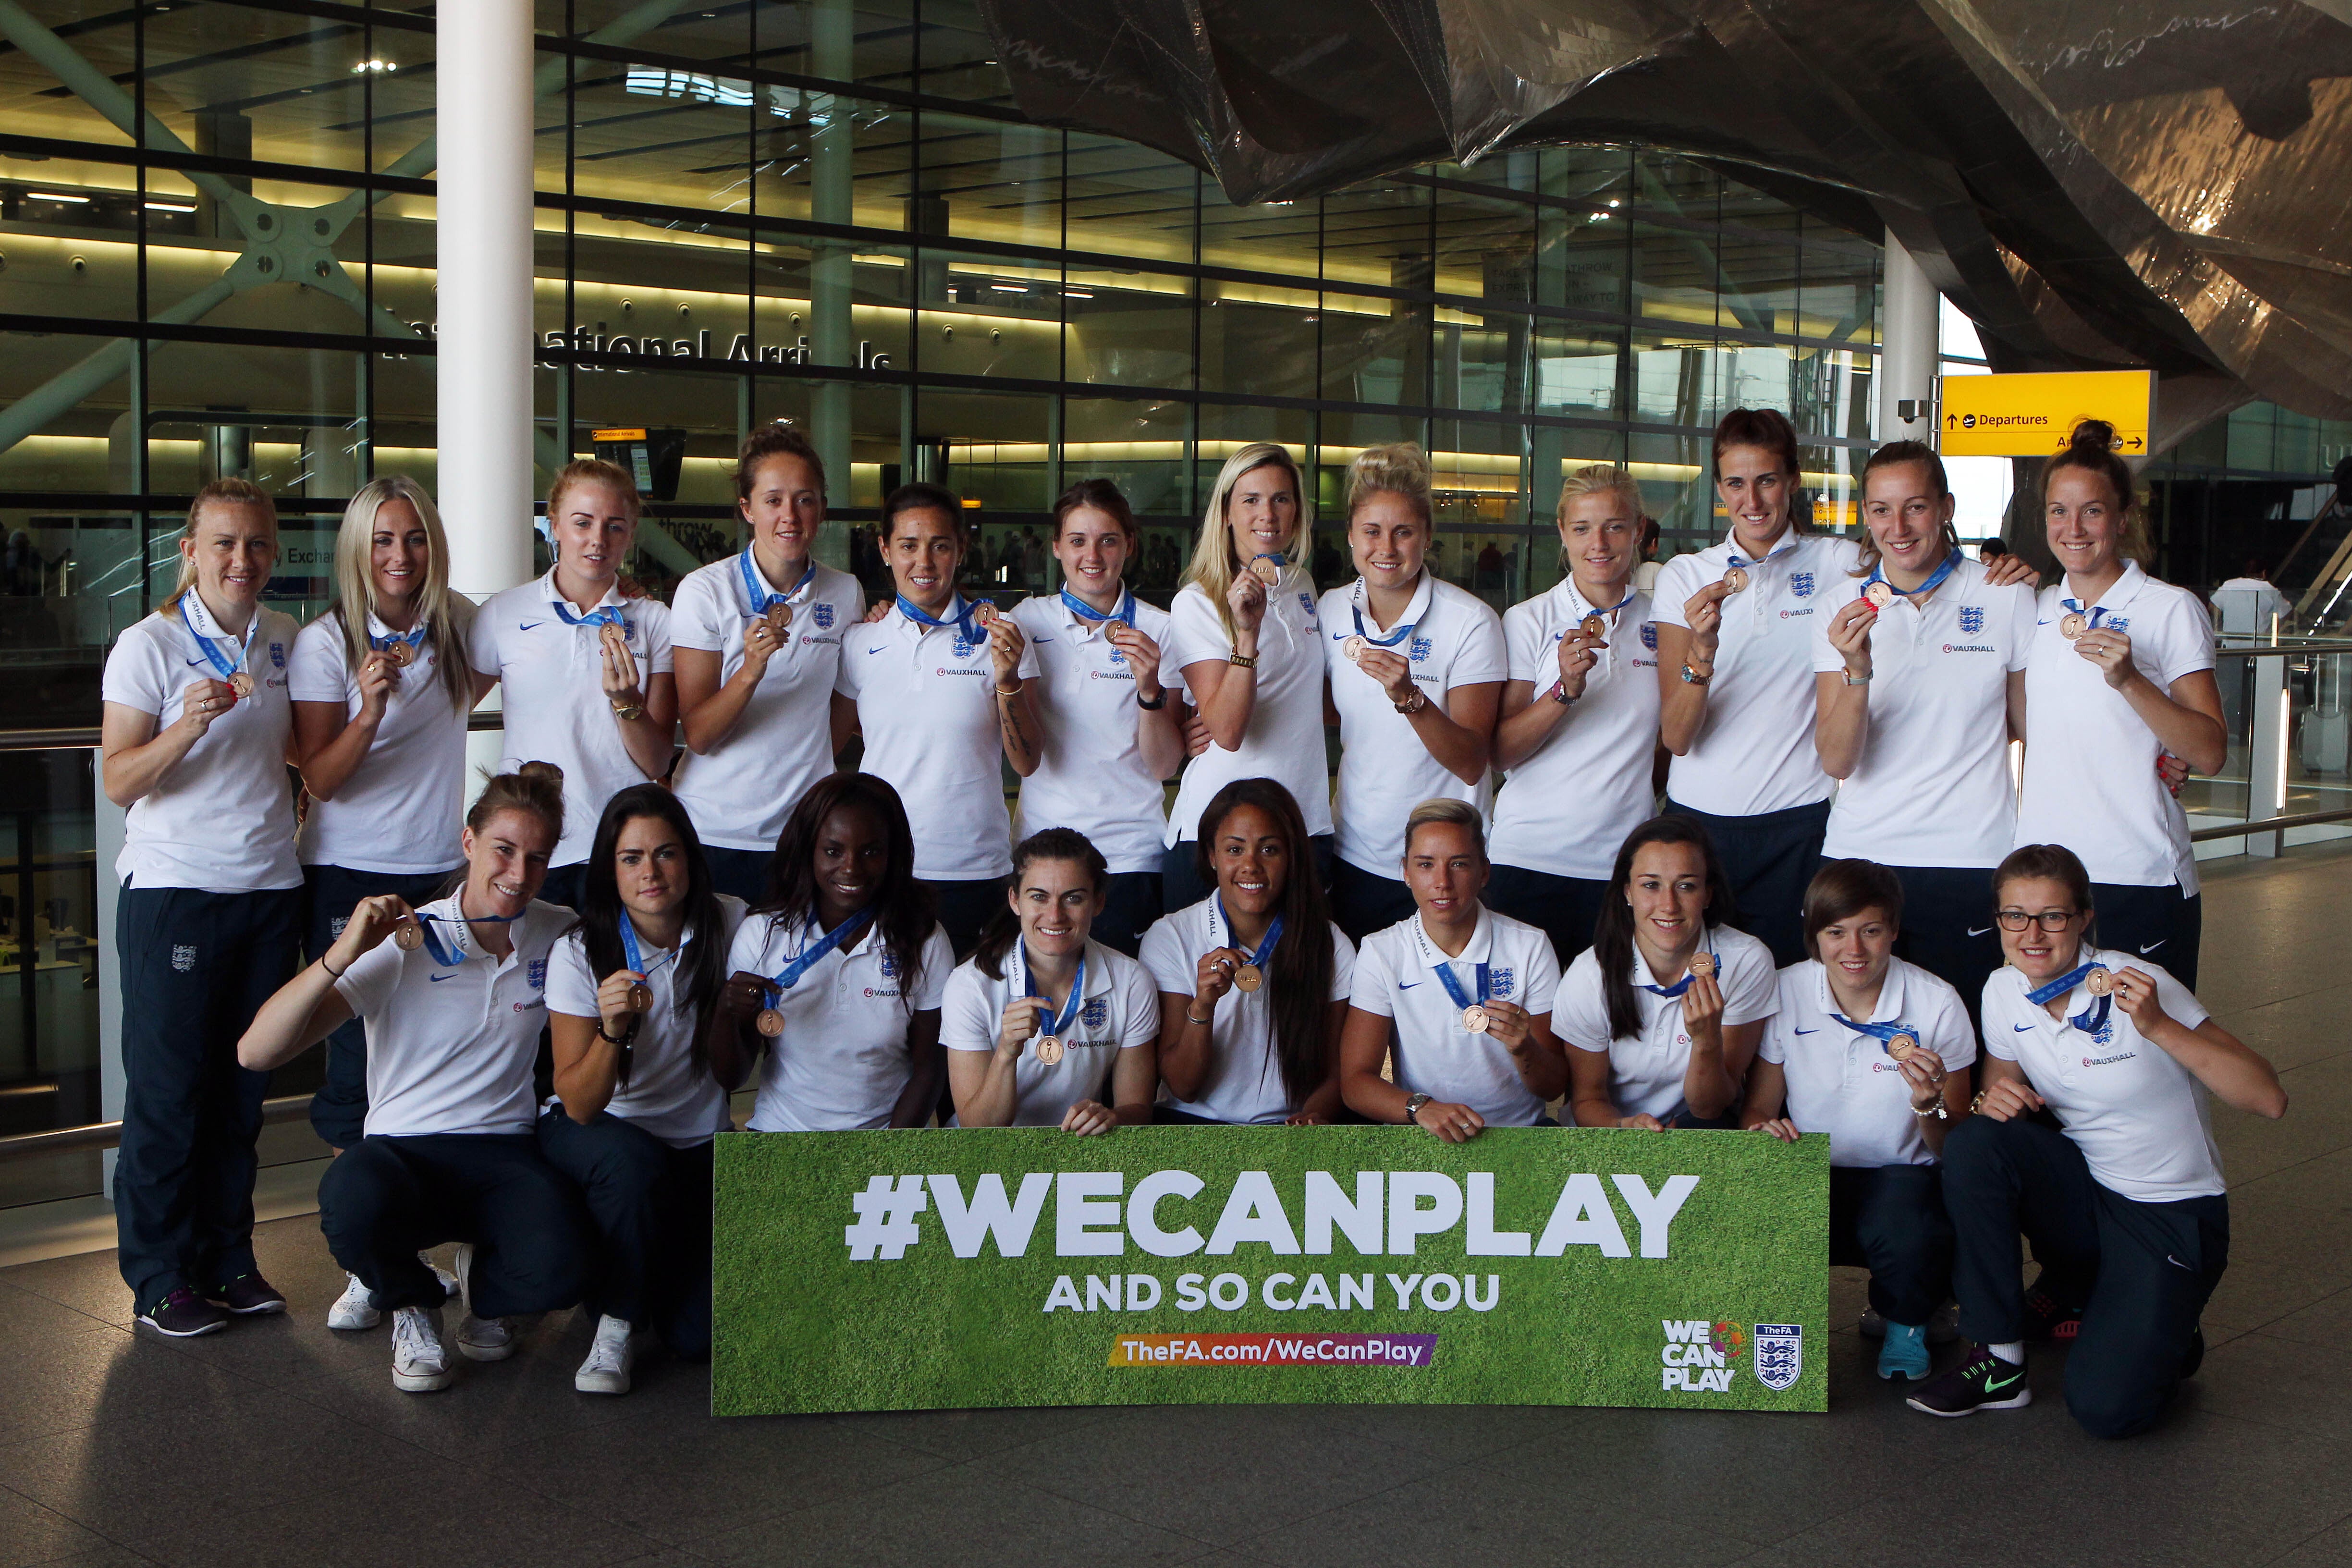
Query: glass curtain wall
{"points": [[217, 257]]}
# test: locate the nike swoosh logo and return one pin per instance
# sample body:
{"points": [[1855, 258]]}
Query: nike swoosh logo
{"points": [[2177, 1263], [1979, 931], [194, 662], [2151, 947], [1407, 984], [885, 646], [2021, 1028], [530, 626], [1809, 1031], [2042, 622], [1041, 639], [438, 978], [1992, 1387]]}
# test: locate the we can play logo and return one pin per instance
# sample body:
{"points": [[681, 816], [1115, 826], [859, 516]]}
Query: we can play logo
{"points": [[1700, 1357]]}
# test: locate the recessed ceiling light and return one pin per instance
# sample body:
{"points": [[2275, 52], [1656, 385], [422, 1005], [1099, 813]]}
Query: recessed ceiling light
{"points": [[58, 196]]}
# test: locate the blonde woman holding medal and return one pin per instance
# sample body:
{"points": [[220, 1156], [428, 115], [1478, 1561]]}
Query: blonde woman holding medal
{"points": [[838, 976], [584, 657], [381, 688], [1254, 979], [1244, 640], [1579, 737], [1108, 731], [1044, 1025], [1416, 666], [1662, 1014], [1919, 686], [196, 735], [2120, 673], [934, 684], [758, 648], [1874, 1052], [2121, 1196], [1457, 997], [635, 1104]]}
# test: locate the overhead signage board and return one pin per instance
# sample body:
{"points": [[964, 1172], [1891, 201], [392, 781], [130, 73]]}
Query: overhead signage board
{"points": [[2033, 415]]}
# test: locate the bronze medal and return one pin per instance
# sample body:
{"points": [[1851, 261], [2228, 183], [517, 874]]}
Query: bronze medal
{"points": [[1352, 649], [2073, 625], [1735, 579], [780, 616], [615, 640], [1266, 571], [1113, 626], [1477, 1019], [984, 613], [1880, 595], [408, 936], [641, 997], [2099, 982], [1049, 1050], [400, 655], [1593, 625], [1249, 977], [1902, 1047], [772, 1023], [241, 683], [1702, 963]]}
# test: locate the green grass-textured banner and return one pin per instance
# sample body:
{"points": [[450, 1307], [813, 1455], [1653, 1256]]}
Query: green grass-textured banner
{"points": [[1163, 1265]]}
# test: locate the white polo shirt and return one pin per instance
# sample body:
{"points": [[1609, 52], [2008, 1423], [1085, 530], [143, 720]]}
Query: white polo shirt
{"points": [[1566, 809], [1090, 774], [927, 704], [402, 809], [1245, 1082], [1432, 1054], [1754, 752], [1121, 1010], [741, 791], [842, 1061], [556, 710], [1842, 1082], [1646, 1072], [2144, 1123], [1284, 739], [451, 1048], [666, 1095], [1933, 786], [1384, 769], [2090, 760], [223, 818]]}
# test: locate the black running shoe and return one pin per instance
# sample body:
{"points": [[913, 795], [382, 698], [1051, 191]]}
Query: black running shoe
{"points": [[183, 1315], [249, 1295], [2048, 1317], [1981, 1382]]}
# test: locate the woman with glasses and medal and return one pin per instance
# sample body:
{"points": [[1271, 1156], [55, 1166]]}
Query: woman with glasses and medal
{"points": [[2119, 1187]]}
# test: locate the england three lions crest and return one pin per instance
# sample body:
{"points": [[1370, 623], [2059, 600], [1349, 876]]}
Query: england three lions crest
{"points": [[1779, 1354]]}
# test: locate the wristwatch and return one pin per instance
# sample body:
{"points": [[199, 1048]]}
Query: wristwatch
{"points": [[1156, 704], [1412, 1104], [1693, 677], [1854, 680], [1560, 695], [628, 712]]}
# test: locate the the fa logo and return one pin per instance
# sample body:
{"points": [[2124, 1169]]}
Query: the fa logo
{"points": [[1306, 602], [184, 957], [1420, 650], [1500, 982], [2117, 622], [889, 965], [1971, 620], [1650, 636], [534, 974], [277, 655], [1779, 1354], [1800, 584], [823, 617], [963, 646], [1095, 1014]]}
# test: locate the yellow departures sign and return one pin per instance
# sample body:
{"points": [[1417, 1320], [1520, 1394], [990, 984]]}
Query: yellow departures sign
{"points": [[2032, 416]]}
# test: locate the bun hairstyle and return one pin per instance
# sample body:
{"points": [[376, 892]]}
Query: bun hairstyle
{"points": [[1398, 469], [1768, 428], [1097, 495], [1300, 984], [1612, 934], [2092, 445], [220, 492], [534, 787], [774, 441], [1051, 844], [1893, 455]]}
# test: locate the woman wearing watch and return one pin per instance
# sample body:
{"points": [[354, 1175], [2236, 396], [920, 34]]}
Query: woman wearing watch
{"points": [[1246, 642], [630, 988], [584, 657], [2122, 1200], [1416, 665], [1457, 997], [1254, 979], [1874, 1052], [1662, 1014]]}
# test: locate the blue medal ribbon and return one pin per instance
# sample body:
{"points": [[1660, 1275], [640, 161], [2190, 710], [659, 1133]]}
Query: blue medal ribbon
{"points": [[635, 955], [204, 640], [958, 619], [1671, 992], [415, 639], [1092, 616], [1052, 1025], [1883, 1033], [602, 615], [787, 977], [1389, 640], [2091, 615], [758, 596], [1454, 987], [444, 956], [1935, 579], [1257, 960], [2091, 1020]]}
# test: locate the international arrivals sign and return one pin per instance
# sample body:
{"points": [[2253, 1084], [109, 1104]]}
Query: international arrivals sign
{"points": [[1180, 1264]]}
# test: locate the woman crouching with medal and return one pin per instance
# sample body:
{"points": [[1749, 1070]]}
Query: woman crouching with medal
{"points": [[1458, 996], [1044, 1025], [1662, 1014], [2123, 1198], [1254, 979], [1874, 1052]]}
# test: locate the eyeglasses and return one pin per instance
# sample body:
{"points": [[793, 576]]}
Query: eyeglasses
{"points": [[2048, 920]]}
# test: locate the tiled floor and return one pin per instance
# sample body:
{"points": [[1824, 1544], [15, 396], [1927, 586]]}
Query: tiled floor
{"points": [[281, 1443]]}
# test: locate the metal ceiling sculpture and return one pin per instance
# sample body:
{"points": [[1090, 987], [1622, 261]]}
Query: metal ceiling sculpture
{"points": [[2099, 184]]}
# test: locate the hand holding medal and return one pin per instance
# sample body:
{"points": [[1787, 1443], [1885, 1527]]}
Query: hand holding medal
{"points": [[1021, 1019], [1219, 972], [744, 998], [1579, 650], [1703, 1003], [1507, 1023], [2135, 992], [763, 638], [1393, 672], [622, 999], [2109, 650], [1849, 634], [372, 920], [1005, 642], [203, 701], [620, 682], [1923, 1072], [1247, 599]]}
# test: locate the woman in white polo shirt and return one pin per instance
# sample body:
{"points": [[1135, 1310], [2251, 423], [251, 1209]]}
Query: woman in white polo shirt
{"points": [[1416, 666], [1107, 731], [194, 739], [1662, 1014], [1919, 686], [2122, 1200], [757, 640], [1578, 736], [1044, 1025], [940, 698], [1245, 641], [834, 984], [630, 990], [1874, 1052], [2120, 672], [452, 1007], [1459, 997], [584, 657], [381, 688], [1254, 979]]}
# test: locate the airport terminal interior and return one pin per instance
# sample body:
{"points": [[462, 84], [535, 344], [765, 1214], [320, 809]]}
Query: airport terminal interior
{"points": [[1005, 245]]}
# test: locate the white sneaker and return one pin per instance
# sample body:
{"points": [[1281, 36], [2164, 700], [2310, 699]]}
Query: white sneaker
{"points": [[478, 1339], [607, 1370], [354, 1310], [449, 1280], [418, 1365]]}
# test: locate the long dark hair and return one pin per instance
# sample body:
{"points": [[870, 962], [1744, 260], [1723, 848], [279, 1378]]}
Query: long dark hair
{"points": [[1302, 959], [903, 910], [1050, 844], [1612, 934], [702, 961]]}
